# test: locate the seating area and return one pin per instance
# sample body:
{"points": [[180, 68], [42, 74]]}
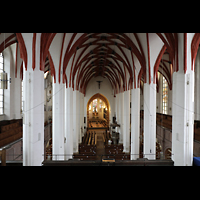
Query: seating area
{"points": [[11, 130], [95, 123], [107, 137], [89, 138], [87, 149], [116, 152]]}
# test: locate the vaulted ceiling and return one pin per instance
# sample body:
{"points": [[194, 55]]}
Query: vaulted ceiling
{"points": [[109, 55], [122, 58]]}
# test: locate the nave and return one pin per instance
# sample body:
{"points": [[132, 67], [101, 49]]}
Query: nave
{"points": [[96, 145], [71, 79]]}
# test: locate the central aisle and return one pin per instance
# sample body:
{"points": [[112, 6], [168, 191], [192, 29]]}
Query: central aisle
{"points": [[100, 145]]}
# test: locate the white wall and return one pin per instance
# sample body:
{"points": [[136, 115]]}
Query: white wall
{"points": [[105, 89], [12, 95]]}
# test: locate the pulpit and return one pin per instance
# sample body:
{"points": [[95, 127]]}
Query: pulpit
{"points": [[115, 134]]}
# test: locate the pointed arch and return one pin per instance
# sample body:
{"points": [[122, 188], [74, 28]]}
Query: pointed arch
{"points": [[103, 98]]}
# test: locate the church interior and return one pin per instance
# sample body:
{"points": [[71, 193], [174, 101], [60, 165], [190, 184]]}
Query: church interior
{"points": [[99, 99]]}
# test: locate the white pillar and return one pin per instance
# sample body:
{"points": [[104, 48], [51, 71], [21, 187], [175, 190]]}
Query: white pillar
{"points": [[121, 111], [81, 116], [117, 111], [126, 121], [183, 118], [33, 124], [75, 120], [183, 106], [135, 123], [78, 104], [58, 121], [149, 121], [69, 122]]}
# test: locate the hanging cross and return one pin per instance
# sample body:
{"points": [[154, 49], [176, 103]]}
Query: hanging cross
{"points": [[99, 83]]}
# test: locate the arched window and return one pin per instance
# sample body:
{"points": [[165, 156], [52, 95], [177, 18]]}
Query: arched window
{"points": [[165, 96], [1, 90]]}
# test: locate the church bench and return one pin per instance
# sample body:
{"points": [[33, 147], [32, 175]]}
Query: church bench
{"points": [[118, 157], [87, 151], [84, 148], [85, 156], [87, 146], [114, 152], [114, 146]]}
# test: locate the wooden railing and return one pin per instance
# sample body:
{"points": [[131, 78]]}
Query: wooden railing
{"points": [[10, 133]]}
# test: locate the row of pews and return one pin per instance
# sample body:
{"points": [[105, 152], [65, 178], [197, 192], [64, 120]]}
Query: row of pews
{"points": [[107, 137], [87, 149], [97, 123], [89, 138], [116, 152]]}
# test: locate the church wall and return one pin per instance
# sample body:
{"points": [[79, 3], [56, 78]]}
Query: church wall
{"points": [[12, 95], [105, 89]]}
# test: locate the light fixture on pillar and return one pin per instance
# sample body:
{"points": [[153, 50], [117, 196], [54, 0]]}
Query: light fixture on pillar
{"points": [[4, 80]]}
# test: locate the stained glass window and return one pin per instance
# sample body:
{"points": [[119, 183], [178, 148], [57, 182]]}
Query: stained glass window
{"points": [[165, 96]]}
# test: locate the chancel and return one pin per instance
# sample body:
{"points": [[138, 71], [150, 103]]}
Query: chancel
{"points": [[100, 99]]}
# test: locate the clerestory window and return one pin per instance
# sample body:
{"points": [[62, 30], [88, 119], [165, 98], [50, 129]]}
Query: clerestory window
{"points": [[165, 96]]}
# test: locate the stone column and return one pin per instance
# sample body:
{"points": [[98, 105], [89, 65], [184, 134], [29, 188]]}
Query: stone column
{"points": [[183, 118], [33, 117], [135, 123], [69, 122], [120, 120], [183, 104], [58, 121], [33, 122], [126, 121], [75, 120], [149, 121]]}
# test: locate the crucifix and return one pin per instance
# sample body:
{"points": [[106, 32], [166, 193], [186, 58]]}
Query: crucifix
{"points": [[99, 83]]}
